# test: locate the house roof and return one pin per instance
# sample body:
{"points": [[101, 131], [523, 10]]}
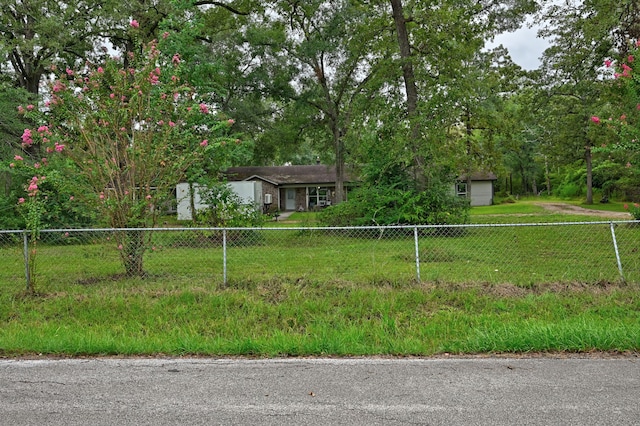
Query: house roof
{"points": [[287, 175], [478, 176]]}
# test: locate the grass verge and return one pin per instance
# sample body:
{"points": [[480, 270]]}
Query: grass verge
{"points": [[305, 318]]}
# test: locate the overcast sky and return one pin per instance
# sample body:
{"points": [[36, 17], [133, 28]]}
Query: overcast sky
{"points": [[524, 47]]}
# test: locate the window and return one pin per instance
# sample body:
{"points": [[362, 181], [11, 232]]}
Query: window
{"points": [[461, 189], [318, 196]]}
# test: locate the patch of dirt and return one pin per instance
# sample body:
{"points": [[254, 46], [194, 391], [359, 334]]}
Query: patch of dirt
{"points": [[564, 208]]}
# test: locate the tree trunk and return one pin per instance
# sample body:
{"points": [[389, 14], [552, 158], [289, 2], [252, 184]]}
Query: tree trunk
{"points": [[339, 148], [132, 252], [192, 203], [411, 89], [588, 161]]}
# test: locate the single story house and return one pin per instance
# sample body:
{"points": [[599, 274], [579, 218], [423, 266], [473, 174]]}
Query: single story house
{"points": [[480, 188], [289, 188]]}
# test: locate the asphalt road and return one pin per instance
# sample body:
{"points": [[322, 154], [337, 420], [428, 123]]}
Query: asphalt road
{"points": [[478, 391]]}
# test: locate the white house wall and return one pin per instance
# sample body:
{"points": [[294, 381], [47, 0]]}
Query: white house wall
{"points": [[250, 192]]}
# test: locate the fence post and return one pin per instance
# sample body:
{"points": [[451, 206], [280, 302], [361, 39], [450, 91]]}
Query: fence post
{"points": [[615, 247], [415, 237], [224, 256], [25, 250]]}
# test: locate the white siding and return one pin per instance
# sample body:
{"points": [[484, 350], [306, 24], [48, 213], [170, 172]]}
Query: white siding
{"points": [[481, 193], [249, 191]]}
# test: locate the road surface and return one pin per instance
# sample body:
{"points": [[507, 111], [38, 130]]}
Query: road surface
{"points": [[362, 391]]}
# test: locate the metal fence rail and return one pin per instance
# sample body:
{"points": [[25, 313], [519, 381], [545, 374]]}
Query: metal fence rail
{"points": [[522, 254]]}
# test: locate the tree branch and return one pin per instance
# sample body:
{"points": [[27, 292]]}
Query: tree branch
{"points": [[217, 3]]}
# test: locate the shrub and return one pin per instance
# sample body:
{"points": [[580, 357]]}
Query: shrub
{"points": [[226, 209], [378, 205]]}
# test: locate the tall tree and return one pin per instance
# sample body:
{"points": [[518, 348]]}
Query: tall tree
{"points": [[329, 44], [583, 36]]}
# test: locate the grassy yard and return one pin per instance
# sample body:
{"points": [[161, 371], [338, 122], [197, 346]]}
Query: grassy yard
{"points": [[288, 295]]}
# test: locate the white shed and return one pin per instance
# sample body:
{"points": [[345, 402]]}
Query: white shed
{"points": [[249, 191], [481, 188]]}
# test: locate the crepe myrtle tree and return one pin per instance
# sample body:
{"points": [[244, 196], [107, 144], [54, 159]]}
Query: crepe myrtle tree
{"points": [[620, 130], [129, 129]]}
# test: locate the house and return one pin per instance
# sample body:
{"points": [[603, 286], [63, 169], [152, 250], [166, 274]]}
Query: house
{"points": [[479, 188], [288, 188]]}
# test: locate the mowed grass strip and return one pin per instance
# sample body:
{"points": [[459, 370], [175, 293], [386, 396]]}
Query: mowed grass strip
{"points": [[280, 317]]}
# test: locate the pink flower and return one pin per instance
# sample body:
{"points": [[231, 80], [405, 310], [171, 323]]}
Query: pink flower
{"points": [[161, 122], [58, 86], [134, 23], [165, 35], [12, 165], [112, 95], [204, 143], [608, 63], [71, 198], [626, 206], [100, 70], [20, 200], [119, 246], [43, 129], [58, 147], [231, 121], [636, 205], [26, 137], [69, 71], [148, 197], [630, 58], [30, 107], [172, 124], [101, 196], [18, 158], [595, 119], [36, 166], [204, 109], [176, 59], [20, 109], [628, 165]]}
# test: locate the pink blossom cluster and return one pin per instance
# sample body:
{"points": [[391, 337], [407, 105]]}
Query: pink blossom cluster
{"points": [[32, 188], [27, 138]]}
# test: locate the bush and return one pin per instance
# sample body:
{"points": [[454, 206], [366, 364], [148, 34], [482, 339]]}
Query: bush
{"points": [[226, 209], [376, 205]]}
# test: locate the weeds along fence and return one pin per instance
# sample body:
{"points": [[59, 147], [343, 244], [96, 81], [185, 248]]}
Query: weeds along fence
{"points": [[522, 254]]}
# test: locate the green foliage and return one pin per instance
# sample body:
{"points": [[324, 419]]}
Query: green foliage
{"points": [[225, 209], [389, 205], [634, 210]]}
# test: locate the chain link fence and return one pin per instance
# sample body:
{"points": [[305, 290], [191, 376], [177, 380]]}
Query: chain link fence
{"points": [[523, 254]]}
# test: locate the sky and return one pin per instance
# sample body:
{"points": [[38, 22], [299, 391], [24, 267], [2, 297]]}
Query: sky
{"points": [[524, 46]]}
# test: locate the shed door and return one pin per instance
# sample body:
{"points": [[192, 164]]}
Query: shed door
{"points": [[290, 203]]}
